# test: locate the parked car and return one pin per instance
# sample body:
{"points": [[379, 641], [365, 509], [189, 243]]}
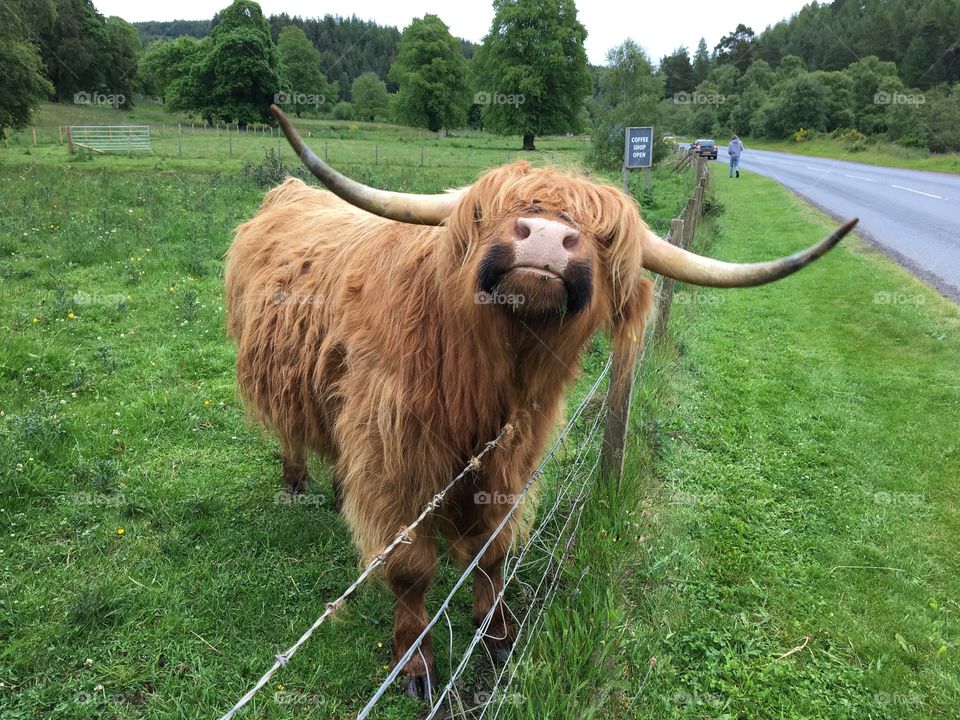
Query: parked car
{"points": [[706, 148]]}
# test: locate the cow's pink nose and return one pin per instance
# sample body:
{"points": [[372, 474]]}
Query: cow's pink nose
{"points": [[544, 243]]}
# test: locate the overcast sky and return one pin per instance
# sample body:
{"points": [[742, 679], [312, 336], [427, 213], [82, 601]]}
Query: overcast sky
{"points": [[659, 27]]}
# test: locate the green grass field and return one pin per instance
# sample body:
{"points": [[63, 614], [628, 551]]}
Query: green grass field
{"points": [[880, 153], [792, 474]]}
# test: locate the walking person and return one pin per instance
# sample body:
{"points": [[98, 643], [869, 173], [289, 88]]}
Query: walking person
{"points": [[734, 150]]}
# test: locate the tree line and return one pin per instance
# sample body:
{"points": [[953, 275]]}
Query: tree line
{"points": [[857, 69]]}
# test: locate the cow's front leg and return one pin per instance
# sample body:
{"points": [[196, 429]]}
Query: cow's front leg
{"points": [[487, 587], [295, 475], [409, 572]]}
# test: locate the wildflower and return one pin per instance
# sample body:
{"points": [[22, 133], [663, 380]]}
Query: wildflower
{"points": [[36, 320], [120, 531], [206, 402], [71, 315]]}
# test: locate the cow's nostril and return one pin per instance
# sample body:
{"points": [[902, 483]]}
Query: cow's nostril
{"points": [[571, 240], [522, 230]]}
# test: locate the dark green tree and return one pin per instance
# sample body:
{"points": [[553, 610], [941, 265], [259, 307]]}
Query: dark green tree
{"points": [[431, 73], [736, 48], [943, 118], [701, 62], [305, 86], [239, 73], [169, 65], [533, 69], [629, 95], [677, 72], [22, 82], [122, 54], [370, 98], [73, 50]]}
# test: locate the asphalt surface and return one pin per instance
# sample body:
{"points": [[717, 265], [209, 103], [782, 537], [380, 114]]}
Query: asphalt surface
{"points": [[913, 216]]}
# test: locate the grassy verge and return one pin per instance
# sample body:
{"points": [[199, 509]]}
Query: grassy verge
{"points": [[881, 153], [784, 545]]}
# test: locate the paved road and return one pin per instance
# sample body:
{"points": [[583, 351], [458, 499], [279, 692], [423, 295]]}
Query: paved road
{"points": [[911, 215]]}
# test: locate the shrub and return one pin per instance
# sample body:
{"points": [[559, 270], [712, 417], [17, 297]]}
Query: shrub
{"points": [[343, 111]]}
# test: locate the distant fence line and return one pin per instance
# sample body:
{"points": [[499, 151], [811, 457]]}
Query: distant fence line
{"points": [[410, 147]]}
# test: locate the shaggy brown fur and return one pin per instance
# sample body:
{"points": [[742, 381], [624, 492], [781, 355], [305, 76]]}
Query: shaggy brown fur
{"points": [[360, 340]]}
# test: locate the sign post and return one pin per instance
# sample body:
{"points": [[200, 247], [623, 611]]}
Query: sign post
{"points": [[637, 152]]}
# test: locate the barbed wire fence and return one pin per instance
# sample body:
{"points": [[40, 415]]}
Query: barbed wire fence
{"points": [[535, 564]]}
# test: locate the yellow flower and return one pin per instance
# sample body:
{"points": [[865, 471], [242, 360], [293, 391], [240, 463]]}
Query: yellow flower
{"points": [[280, 687], [170, 289], [120, 531], [36, 320], [71, 315], [206, 402], [379, 644]]}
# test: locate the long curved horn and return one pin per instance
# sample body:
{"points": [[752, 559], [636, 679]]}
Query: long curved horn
{"points": [[405, 207], [666, 259]]}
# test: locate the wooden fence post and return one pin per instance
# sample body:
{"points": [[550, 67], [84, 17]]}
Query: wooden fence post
{"points": [[665, 298], [619, 398], [69, 140]]}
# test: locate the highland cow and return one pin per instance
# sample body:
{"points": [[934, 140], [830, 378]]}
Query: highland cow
{"points": [[394, 335]]}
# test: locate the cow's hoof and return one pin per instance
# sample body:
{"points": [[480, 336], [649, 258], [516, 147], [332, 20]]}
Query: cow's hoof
{"points": [[422, 687], [295, 480]]}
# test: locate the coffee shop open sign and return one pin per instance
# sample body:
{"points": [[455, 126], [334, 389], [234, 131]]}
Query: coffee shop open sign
{"points": [[639, 147]]}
